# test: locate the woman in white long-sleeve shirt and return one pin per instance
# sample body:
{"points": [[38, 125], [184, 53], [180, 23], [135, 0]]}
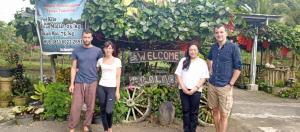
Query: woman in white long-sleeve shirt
{"points": [[191, 74], [109, 85]]}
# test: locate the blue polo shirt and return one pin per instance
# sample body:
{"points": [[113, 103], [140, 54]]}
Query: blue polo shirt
{"points": [[224, 61]]}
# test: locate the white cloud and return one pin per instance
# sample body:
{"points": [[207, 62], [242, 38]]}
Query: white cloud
{"points": [[9, 8]]}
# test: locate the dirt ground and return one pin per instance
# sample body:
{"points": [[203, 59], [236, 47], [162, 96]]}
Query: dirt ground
{"points": [[55, 126]]}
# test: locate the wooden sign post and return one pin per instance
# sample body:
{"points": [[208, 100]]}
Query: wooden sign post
{"points": [[154, 55], [168, 80]]}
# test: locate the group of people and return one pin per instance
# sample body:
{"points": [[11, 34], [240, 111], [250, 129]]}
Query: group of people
{"points": [[222, 69]]}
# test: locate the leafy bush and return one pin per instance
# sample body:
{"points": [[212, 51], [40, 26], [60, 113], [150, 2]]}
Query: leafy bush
{"points": [[57, 101], [10, 45], [22, 86], [293, 93], [265, 87], [279, 83], [63, 75], [173, 21], [40, 92], [120, 109]]}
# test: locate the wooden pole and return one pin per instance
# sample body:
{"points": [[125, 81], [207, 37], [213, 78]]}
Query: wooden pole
{"points": [[53, 67], [41, 66]]}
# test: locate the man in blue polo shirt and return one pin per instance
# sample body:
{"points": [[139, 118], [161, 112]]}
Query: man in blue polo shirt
{"points": [[224, 64]]}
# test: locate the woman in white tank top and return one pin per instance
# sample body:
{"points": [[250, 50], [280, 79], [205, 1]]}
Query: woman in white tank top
{"points": [[109, 84]]}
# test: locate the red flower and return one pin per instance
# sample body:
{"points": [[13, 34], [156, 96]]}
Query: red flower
{"points": [[241, 39], [249, 44], [265, 44], [284, 51], [183, 46]]}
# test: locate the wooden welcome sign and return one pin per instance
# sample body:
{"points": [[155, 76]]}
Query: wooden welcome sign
{"points": [[154, 55], [168, 80]]}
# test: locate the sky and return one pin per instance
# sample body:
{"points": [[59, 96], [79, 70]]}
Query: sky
{"points": [[10, 7]]}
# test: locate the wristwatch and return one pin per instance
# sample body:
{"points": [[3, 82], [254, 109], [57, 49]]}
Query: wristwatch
{"points": [[230, 84]]}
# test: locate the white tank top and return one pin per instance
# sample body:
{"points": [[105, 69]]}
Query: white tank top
{"points": [[109, 72]]}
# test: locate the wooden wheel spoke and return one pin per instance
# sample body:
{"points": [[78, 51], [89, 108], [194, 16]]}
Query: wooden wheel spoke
{"points": [[206, 118], [139, 105], [203, 104], [134, 91], [127, 117], [128, 93], [139, 94], [134, 116], [138, 110]]}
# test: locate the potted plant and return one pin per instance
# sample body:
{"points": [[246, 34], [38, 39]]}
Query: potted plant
{"points": [[22, 87], [12, 57], [10, 50], [24, 114], [10, 46]]}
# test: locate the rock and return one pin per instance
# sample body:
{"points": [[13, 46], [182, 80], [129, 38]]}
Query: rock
{"points": [[6, 114], [166, 113], [277, 90]]}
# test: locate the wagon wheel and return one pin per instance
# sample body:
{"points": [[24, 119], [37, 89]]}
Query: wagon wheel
{"points": [[138, 103], [205, 117]]}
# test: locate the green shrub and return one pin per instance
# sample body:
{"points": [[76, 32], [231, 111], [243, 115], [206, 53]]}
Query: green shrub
{"points": [[265, 87], [279, 83], [293, 93], [120, 110], [57, 101], [63, 75]]}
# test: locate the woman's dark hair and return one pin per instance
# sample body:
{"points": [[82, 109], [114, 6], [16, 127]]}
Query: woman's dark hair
{"points": [[187, 61], [109, 43]]}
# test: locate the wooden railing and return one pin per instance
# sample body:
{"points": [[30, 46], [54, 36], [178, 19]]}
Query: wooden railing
{"points": [[269, 75]]}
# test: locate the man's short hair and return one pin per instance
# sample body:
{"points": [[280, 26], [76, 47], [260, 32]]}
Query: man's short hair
{"points": [[87, 31], [219, 26]]}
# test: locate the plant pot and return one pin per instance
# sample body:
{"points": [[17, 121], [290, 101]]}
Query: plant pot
{"points": [[20, 101], [6, 72], [24, 120], [5, 89], [4, 104]]}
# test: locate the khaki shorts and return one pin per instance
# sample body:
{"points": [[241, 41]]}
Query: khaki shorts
{"points": [[220, 97]]}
